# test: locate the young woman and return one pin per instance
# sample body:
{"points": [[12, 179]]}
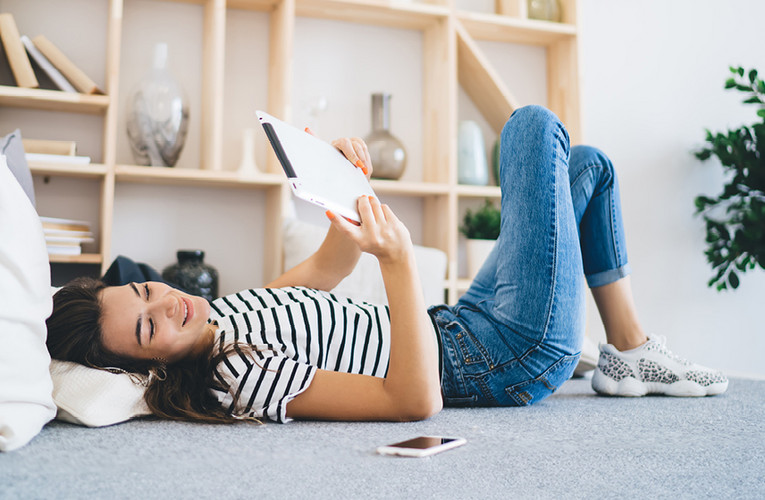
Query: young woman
{"points": [[295, 350]]}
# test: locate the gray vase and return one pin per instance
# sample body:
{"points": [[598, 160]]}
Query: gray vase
{"points": [[386, 151], [157, 115]]}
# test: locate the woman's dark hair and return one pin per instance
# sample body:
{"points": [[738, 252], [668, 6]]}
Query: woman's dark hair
{"points": [[177, 391]]}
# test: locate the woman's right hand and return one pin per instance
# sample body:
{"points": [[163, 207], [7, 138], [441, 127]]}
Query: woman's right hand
{"points": [[381, 233]]}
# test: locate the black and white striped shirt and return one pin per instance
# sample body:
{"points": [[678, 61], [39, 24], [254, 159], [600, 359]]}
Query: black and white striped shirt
{"points": [[293, 331]]}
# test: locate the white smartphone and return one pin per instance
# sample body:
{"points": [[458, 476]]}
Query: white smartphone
{"points": [[421, 446]]}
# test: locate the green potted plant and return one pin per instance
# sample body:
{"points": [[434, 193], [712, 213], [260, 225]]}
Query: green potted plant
{"points": [[735, 219], [481, 228]]}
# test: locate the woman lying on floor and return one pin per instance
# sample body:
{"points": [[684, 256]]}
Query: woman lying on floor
{"points": [[295, 350]]}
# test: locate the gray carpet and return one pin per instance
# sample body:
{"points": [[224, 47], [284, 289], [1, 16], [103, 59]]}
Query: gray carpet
{"points": [[573, 445]]}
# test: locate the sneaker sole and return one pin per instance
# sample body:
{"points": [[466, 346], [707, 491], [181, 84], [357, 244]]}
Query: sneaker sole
{"points": [[632, 387]]}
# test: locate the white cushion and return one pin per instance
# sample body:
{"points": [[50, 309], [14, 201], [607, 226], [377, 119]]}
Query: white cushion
{"points": [[26, 403], [302, 239], [95, 398]]}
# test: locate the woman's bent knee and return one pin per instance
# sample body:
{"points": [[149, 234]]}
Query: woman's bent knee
{"points": [[531, 119]]}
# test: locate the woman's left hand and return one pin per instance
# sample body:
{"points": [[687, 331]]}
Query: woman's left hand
{"points": [[355, 149]]}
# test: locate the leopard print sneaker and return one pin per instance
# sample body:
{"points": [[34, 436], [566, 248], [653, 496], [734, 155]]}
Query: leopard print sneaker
{"points": [[653, 369]]}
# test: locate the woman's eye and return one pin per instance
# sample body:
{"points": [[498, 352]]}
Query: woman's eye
{"points": [[151, 329], [146, 287]]}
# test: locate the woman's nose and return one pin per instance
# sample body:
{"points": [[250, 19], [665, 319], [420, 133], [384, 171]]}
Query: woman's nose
{"points": [[166, 305]]}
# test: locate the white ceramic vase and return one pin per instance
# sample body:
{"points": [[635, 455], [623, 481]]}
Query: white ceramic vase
{"points": [[477, 251], [472, 167]]}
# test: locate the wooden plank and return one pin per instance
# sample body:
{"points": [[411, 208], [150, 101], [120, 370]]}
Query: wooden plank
{"points": [[404, 188], [113, 50], [53, 100], [194, 177], [91, 171], [382, 13], [85, 258], [514, 30], [563, 86], [465, 191], [213, 60], [273, 245], [481, 82], [439, 95], [280, 55]]}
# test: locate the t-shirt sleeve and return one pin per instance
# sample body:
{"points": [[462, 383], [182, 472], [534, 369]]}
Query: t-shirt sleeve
{"points": [[261, 383]]}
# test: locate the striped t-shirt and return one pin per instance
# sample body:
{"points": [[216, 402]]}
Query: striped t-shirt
{"points": [[293, 331]]}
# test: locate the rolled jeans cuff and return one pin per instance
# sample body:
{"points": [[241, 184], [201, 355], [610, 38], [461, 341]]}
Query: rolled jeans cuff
{"points": [[607, 277]]}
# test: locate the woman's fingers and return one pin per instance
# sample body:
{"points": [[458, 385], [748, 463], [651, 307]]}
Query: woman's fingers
{"points": [[377, 209], [356, 151]]}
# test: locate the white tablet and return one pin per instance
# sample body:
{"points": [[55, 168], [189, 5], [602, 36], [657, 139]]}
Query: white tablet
{"points": [[317, 171]]}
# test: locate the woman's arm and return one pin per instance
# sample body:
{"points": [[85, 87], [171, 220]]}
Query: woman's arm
{"points": [[411, 389], [338, 255]]}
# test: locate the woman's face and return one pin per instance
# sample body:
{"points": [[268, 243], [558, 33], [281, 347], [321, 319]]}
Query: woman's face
{"points": [[154, 321]]}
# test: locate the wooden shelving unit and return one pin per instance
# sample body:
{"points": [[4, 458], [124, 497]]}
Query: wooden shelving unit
{"points": [[451, 57]]}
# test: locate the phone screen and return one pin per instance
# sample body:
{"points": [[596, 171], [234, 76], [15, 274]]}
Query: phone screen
{"points": [[423, 442]]}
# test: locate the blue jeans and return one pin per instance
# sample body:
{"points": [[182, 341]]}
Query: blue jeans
{"points": [[516, 335]]}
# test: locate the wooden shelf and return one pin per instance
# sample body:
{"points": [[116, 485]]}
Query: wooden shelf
{"points": [[53, 100], [507, 29], [384, 13], [93, 170], [409, 188], [189, 177], [85, 258], [466, 191], [451, 56]]}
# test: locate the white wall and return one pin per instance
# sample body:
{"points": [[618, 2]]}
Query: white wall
{"points": [[652, 81]]}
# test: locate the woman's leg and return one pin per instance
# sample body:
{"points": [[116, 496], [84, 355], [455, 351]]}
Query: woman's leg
{"points": [[630, 364], [525, 310], [597, 204]]}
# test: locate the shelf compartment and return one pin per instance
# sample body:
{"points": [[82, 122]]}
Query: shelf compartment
{"points": [[409, 188], [92, 171], [498, 28], [383, 13], [53, 100], [190, 177], [465, 191], [85, 258]]}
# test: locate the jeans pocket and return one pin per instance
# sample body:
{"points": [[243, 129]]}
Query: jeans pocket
{"points": [[472, 353], [536, 389]]}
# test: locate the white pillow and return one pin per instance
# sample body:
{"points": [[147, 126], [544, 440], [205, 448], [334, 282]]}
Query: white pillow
{"points": [[26, 404], [302, 239], [95, 398]]}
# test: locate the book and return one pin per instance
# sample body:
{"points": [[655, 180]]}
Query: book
{"points": [[49, 147], [42, 61], [75, 75], [48, 158], [66, 241], [6, 74], [17, 56], [67, 233], [64, 250], [64, 224]]}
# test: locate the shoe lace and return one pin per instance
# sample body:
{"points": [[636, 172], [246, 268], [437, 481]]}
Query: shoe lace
{"points": [[661, 340]]}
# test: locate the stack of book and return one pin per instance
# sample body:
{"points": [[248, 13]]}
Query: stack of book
{"points": [[38, 58], [65, 236]]}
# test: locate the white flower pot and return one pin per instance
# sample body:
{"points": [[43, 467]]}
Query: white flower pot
{"points": [[477, 251]]}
